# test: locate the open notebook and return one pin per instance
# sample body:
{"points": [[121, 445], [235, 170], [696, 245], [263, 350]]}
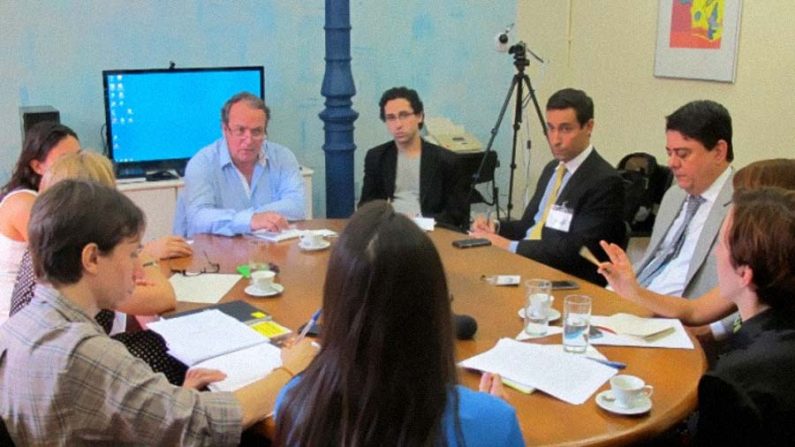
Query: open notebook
{"points": [[217, 338]]}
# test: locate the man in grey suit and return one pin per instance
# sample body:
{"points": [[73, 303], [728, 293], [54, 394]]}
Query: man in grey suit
{"points": [[680, 257]]}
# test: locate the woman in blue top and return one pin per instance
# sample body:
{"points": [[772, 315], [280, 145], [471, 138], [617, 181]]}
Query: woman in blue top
{"points": [[386, 374]]}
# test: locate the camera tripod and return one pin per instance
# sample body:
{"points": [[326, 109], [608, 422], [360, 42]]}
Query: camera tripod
{"points": [[519, 81]]}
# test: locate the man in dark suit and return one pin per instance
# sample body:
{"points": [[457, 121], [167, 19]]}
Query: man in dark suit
{"points": [[578, 199], [418, 177]]}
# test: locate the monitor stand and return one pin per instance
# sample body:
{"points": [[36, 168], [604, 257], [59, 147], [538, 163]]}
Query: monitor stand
{"points": [[156, 176]]}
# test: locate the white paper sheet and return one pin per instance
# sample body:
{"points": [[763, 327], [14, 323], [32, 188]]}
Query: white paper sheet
{"points": [[290, 233], [590, 352], [206, 288], [552, 330], [204, 335], [568, 377], [678, 339], [243, 367], [325, 232], [425, 223], [628, 324]]}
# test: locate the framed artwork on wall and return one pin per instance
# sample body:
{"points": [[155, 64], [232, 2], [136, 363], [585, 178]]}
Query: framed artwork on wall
{"points": [[698, 39]]}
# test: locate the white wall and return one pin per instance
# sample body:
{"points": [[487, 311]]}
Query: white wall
{"points": [[607, 49]]}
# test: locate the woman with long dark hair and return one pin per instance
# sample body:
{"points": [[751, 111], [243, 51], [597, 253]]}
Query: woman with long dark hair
{"points": [[386, 374], [44, 143]]}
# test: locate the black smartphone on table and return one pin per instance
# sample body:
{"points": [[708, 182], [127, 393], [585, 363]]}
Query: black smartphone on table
{"points": [[472, 242], [564, 285]]}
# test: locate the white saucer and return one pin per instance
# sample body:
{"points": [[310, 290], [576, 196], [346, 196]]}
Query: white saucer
{"points": [[554, 314], [255, 291], [644, 404], [321, 246]]}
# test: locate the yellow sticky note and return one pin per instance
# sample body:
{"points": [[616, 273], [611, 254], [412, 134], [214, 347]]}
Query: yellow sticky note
{"points": [[270, 329], [258, 315], [518, 386]]}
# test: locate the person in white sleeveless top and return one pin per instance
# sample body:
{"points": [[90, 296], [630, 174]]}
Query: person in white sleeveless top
{"points": [[44, 143]]}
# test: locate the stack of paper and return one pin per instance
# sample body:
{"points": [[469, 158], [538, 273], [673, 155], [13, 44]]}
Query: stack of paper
{"points": [[278, 236], [325, 232], [568, 377], [627, 324], [590, 352]]}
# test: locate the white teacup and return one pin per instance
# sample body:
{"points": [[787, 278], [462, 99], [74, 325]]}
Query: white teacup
{"points": [[311, 239], [629, 391], [263, 280]]}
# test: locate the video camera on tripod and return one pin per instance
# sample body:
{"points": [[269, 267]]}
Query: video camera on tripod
{"points": [[520, 80], [518, 49]]}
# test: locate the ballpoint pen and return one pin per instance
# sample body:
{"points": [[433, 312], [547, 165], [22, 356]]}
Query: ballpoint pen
{"points": [[610, 363], [309, 325]]}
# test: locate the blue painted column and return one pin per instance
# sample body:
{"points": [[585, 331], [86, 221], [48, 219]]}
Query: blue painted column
{"points": [[338, 116]]}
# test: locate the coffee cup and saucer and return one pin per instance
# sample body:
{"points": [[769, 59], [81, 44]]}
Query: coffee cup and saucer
{"points": [[313, 241], [262, 284], [628, 395]]}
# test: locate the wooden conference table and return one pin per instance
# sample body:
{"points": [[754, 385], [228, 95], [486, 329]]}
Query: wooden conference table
{"points": [[674, 373]]}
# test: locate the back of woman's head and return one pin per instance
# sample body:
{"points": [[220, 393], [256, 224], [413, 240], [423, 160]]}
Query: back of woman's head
{"points": [[83, 165], [39, 141], [386, 366], [777, 172]]}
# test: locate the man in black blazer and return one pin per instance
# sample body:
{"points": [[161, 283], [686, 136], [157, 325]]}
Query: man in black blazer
{"points": [[416, 176], [588, 196]]}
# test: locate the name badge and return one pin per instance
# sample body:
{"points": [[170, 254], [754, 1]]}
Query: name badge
{"points": [[559, 218]]}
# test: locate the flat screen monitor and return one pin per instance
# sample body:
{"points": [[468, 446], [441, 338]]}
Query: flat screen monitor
{"points": [[158, 119]]}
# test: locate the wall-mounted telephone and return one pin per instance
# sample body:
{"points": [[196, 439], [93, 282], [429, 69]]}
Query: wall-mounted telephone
{"points": [[445, 133]]}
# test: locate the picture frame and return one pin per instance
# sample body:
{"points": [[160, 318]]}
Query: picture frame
{"points": [[698, 39]]}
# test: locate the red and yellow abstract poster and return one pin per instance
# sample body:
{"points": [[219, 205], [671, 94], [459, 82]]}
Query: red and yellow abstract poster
{"points": [[696, 24]]}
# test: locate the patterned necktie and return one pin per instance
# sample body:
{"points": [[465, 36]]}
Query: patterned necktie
{"points": [[665, 254], [535, 232]]}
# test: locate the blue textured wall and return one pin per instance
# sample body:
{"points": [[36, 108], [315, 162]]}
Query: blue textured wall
{"points": [[54, 52]]}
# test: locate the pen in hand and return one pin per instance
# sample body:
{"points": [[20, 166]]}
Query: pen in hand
{"points": [[309, 325]]}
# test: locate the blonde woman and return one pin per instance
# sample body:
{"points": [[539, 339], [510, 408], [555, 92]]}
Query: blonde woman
{"points": [[153, 294]]}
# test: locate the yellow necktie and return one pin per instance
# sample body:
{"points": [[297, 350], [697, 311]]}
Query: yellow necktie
{"points": [[535, 233]]}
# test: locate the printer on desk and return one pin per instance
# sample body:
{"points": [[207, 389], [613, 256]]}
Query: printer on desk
{"points": [[450, 136]]}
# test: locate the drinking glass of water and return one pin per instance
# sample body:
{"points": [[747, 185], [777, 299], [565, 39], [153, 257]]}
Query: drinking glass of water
{"points": [[537, 306], [576, 321]]}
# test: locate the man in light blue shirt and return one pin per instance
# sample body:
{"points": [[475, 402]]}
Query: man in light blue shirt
{"points": [[242, 183]]}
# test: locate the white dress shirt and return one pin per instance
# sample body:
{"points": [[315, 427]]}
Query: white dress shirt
{"points": [[671, 280]]}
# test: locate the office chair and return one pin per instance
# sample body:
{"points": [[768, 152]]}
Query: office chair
{"points": [[469, 163], [645, 184]]}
